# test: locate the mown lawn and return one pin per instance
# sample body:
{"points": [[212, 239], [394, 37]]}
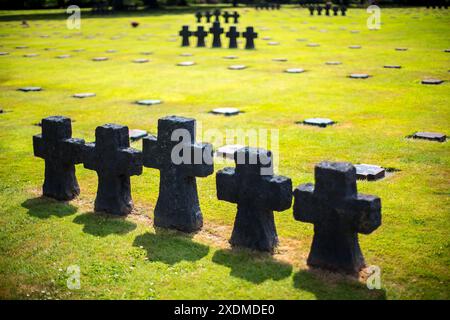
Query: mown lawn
{"points": [[126, 258]]}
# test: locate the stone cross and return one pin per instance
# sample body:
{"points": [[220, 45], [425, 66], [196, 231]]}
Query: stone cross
{"points": [[319, 10], [343, 10], [216, 31], [338, 213], [185, 34], [335, 10], [217, 15], [180, 160], [235, 17], [201, 34], [61, 152], [208, 16], [257, 192], [114, 161], [249, 36], [199, 17], [327, 9], [233, 35], [227, 16], [311, 9]]}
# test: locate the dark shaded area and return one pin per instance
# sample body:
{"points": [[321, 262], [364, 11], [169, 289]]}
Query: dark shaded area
{"points": [[170, 247], [337, 289], [43, 208], [102, 225], [251, 266]]}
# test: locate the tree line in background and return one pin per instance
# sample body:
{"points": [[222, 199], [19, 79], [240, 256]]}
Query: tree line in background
{"points": [[133, 4]]}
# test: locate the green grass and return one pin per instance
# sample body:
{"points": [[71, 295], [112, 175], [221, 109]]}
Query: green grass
{"points": [[127, 258]]}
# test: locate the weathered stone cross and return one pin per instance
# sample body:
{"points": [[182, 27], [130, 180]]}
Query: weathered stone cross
{"points": [[236, 16], [216, 31], [208, 16], [249, 36], [338, 213], [232, 35], [61, 152], [217, 15], [180, 160], [185, 34], [227, 16], [199, 17], [319, 10], [201, 34], [114, 161], [257, 193]]}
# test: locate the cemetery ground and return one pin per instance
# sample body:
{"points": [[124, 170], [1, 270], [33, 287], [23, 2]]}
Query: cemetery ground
{"points": [[126, 257]]}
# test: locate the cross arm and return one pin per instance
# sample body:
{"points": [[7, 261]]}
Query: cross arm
{"points": [[38, 146], [71, 149], [367, 211], [151, 152], [279, 192], [304, 203], [88, 156], [202, 164], [227, 185], [130, 159]]}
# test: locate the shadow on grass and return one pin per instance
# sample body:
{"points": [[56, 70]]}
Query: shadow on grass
{"points": [[331, 286], [252, 266], [170, 247], [43, 208], [102, 225]]}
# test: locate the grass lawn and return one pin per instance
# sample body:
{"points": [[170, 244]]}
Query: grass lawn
{"points": [[126, 257]]}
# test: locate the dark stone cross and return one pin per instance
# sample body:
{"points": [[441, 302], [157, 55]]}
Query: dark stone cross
{"points": [[338, 213], [199, 17], [319, 10], [233, 35], [335, 10], [257, 192], [208, 16], [327, 9], [185, 34], [61, 152], [217, 14], [114, 161], [249, 36], [216, 31], [311, 9], [180, 160], [235, 17], [201, 34], [227, 16], [343, 10]]}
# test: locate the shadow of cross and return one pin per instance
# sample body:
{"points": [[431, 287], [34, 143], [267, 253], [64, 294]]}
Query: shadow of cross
{"points": [[185, 34], [235, 17], [216, 31], [201, 34], [338, 213], [114, 161], [249, 36], [180, 160], [232, 35], [61, 152], [257, 193]]}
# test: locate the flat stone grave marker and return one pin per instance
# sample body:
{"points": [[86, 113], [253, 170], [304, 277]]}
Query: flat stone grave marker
{"points": [[333, 63], [231, 57], [447, 50], [226, 111], [392, 66], [319, 122], [63, 56], [140, 60], [302, 39], [432, 81], [228, 151], [22, 47], [237, 67], [98, 59], [4, 53], [294, 70], [146, 53], [111, 51], [186, 63], [354, 31], [78, 50], [84, 95], [267, 38], [359, 76], [432, 136], [369, 172], [401, 49], [148, 102], [273, 43], [30, 89], [355, 47], [313, 45], [280, 59], [137, 134], [30, 55]]}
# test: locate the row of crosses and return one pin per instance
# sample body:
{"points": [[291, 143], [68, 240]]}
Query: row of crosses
{"points": [[216, 30], [327, 9], [216, 14], [333, 204], [268, 6], [433, 4]]}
